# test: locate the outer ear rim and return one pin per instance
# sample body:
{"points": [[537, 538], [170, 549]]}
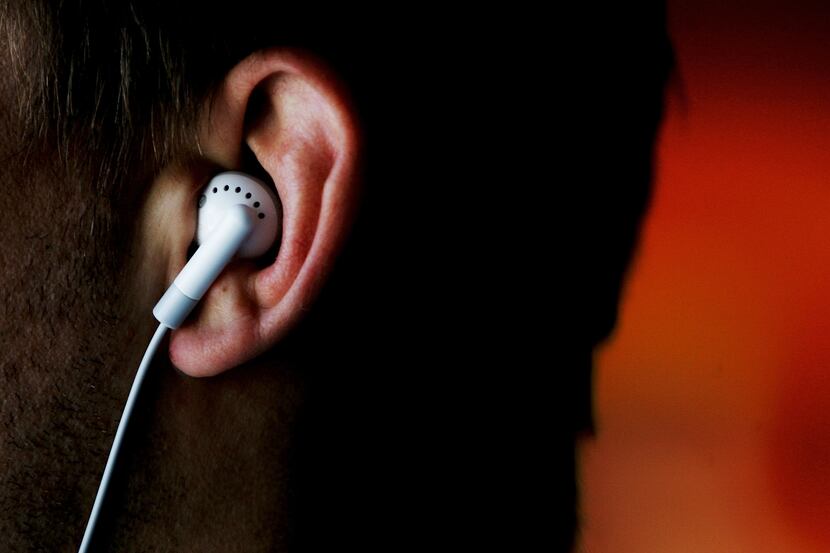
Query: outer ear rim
{"points": [[293, 59]]}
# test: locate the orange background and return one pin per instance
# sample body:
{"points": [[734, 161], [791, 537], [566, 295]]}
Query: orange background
{"points": [[712, 396]]}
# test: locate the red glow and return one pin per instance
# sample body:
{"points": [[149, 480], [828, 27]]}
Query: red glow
{"points": [[713, 396]]}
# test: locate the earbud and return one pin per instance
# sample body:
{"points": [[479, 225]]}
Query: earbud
{"points": [[237, 215]]}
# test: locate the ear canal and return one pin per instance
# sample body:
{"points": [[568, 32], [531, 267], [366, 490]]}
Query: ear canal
{"points": [[238, 216], [233, 188]]}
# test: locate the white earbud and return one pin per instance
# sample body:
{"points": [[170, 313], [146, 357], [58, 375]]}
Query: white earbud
{"points": [[238, 215]]}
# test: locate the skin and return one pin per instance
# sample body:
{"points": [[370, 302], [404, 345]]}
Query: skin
{"points": [[205, 466]]}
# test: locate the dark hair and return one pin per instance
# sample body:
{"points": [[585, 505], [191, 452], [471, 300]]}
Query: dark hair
{"points": [[114, 88], [436, 413]]}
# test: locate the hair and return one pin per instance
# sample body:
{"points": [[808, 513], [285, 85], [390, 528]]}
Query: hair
{"points": [[128, 79], [454, 237]]}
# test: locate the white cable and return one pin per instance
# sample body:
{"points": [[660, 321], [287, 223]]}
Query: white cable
{"points": [[119, 435]]}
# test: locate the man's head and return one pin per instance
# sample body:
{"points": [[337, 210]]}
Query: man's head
{"points": [[385, 377]]}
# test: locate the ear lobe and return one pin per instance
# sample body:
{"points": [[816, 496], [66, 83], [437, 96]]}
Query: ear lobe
{"points": [[291, 112]]}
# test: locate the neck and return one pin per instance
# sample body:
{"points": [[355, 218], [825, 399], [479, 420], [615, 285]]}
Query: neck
{"points": [[205, 468]]}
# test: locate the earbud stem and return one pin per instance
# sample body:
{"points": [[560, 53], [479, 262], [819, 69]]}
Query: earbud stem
{"points": [[204, 266]]}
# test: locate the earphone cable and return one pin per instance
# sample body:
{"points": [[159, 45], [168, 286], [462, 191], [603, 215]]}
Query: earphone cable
{"points": [[119, 434]]}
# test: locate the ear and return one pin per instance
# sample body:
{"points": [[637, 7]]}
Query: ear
{"points": [[283, 115]]}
